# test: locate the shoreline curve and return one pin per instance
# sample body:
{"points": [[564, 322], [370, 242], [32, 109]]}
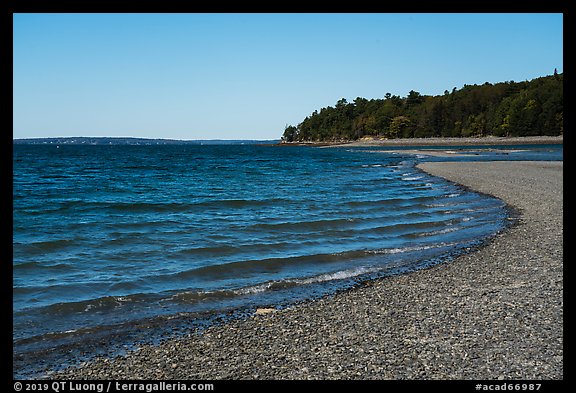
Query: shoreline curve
{"points": [[495, 313]]}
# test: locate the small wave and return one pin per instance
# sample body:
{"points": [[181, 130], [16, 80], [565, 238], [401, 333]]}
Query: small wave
{"points": [[45, 246], [248, 268], [145, 207], [102, 304], [254, 289], [339, 275], [410, 227], [191, 296], [392, 202], [242, 203], [411, 248], [259, 266], [165, 207], [411, 178], [440, 231], [300, 226], [220, 250], [128, 207], [34, 265], [291, 283]]}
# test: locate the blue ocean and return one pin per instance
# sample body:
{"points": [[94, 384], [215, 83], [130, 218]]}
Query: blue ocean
{"points": [[108, 237]]}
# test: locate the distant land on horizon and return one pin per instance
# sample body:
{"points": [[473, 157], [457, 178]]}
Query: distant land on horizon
{"points": [[135, 141]]}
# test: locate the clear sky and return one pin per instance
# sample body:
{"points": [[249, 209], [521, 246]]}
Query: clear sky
{"points": [[246, 76]]}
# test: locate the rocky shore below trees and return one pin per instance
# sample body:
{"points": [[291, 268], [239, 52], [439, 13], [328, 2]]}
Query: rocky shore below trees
{"points": [[479, 141]]}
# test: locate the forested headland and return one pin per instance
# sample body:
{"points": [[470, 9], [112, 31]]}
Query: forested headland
{"points": [[505, 109]]}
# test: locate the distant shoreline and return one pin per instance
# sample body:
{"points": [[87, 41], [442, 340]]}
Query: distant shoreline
{"points": [[489, 140], [133, 141]]}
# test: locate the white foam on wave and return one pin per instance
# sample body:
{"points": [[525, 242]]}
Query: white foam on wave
{"points": [[254, 289], [408, 178], [440, 231], [339, 275], [410, 249]]}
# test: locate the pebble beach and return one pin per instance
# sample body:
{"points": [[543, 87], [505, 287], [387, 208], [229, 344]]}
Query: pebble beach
{"points": [[493, 313]]}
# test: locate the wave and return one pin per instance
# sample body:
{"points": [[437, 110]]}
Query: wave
{"points": [[242, 203], [113, 304], [276, 265], [35, 265], [392, 201], [291, 226], [291, 283], [412, 178], [98, 305], [238, 269], [399, 250], [258, 266], [41, 247], [193, 296], [440, 231], [158, 207]]}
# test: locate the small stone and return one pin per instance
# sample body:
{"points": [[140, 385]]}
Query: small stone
{"points": [[261, 311]]}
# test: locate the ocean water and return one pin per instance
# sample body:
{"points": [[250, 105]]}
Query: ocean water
{"points": [[106, 236]]}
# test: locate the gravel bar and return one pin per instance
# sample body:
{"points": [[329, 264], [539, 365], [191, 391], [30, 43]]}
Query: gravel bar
{"points": [[495, 313]]}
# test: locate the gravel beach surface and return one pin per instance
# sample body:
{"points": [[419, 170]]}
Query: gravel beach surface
{"points": [[495, 313]]}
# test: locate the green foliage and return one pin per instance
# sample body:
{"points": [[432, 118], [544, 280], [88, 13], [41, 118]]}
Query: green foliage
{"points": [[290, 134], [400, 125], [503, 109]]}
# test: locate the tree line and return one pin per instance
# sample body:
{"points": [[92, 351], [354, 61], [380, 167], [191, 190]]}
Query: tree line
{"points": [[511, 108]]}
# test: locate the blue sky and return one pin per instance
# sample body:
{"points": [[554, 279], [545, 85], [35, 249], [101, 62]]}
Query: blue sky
{"points": [[246, 76]]}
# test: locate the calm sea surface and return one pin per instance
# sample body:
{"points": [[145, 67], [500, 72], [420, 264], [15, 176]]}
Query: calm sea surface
{"points": [[108, 235]]}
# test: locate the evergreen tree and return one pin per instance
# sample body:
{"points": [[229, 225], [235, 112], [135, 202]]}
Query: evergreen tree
{"points": [[502, 109]]}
